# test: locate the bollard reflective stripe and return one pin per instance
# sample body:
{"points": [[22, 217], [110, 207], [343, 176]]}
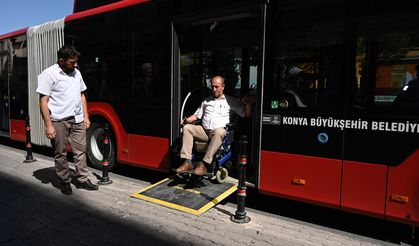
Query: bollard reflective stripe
{"points": [[241, 192]]}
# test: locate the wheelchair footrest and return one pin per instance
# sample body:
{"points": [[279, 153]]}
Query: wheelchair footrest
{"points": [[191, 173]]}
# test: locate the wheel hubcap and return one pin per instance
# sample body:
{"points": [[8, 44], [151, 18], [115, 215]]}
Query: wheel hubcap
{"points": [[96, 144]]}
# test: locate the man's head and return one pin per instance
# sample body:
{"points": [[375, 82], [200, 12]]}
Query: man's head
{"points": [[147, 69], [217, 86], [67, 58]]}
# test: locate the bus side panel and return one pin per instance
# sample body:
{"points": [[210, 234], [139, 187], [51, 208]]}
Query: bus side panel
{"points": [[364, 188], [150, 152], [403, 191], [305, 178], [18, 130], [136, 150]]}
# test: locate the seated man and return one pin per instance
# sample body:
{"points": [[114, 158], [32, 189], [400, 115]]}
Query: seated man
{"points": [[215, 115]]}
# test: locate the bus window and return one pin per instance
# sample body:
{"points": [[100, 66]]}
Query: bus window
{"points": [[386, 58], [384, 84], [253, 76], [308, 58], [126, 65], [307, 78], [104, 60]]}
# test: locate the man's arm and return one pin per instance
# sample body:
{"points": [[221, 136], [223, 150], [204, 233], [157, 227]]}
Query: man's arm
{"points": [[86, 121], [189, 119], [49, 128], [193, 117]]}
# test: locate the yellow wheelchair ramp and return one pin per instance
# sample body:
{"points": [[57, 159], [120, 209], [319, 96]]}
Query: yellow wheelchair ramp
{"points": [[190, 196]]}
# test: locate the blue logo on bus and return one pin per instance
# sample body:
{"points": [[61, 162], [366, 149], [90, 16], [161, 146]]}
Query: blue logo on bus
{"points": [[322, 137]]}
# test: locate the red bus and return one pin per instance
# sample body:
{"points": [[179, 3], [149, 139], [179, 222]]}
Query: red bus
{"points": [[332, 124]]}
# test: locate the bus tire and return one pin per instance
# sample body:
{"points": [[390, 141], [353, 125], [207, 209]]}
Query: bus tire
{"points": [[94, 143]]}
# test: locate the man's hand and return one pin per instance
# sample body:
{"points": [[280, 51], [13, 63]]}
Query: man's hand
{"points": [[188, 120], [50, 132], [86, 123], [184, 122]]}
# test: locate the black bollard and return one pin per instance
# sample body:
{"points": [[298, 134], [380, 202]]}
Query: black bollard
{"points": [[29, 157], [105, 180], [240, 215]]}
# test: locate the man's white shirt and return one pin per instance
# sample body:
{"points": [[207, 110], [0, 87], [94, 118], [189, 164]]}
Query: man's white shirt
{"points": [[215, 113], [64, 91]]}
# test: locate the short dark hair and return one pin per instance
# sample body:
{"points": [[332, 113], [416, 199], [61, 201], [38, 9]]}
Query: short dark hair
{"points": [[67, 52]]}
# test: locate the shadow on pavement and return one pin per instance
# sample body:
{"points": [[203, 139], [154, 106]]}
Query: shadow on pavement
{"points": [[47, 176], [31, 216], [226, 212], [376, 228]]}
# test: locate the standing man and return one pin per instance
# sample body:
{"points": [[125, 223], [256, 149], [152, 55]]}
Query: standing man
{"points": [[63, 107], [215, 115]]}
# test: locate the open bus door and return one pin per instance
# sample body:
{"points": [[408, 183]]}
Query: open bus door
{"points": [[4, 89], [226, 42], [13, 86]]}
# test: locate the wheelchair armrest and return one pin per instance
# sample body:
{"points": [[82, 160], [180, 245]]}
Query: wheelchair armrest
{"points": [[230, 127], [196, 122]]}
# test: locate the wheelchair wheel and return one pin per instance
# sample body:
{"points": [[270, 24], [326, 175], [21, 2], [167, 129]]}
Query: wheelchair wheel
{"points": [[221, 175]]}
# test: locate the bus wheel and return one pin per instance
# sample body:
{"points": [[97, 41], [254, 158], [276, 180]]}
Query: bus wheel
{"points": [[94, 146], [221, 175]]}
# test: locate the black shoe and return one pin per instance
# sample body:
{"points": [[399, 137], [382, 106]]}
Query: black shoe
{"points": [[65, 188], [87, 186]]}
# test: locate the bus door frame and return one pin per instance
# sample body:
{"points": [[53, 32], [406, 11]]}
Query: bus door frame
{"points": [[5, 105], [176, 82]]}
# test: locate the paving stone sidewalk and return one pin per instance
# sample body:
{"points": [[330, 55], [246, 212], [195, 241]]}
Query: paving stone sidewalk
{"points": [[34, 212]]}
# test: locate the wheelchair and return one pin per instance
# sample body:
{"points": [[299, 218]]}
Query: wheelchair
{"points": [[217, 171]]}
